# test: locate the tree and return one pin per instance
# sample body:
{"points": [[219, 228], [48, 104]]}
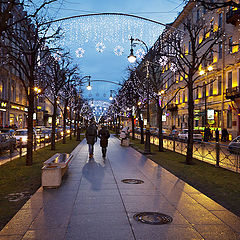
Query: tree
{"points": [[201, 40], [212, 5], [25, 48], [12, 12]]}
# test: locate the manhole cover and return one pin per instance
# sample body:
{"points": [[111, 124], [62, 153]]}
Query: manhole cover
{"points": [[152, 218], [132, 181]]}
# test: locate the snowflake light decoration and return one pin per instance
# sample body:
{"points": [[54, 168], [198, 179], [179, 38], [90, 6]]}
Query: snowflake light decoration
{"points": [[173, 67], [163, 61], [80, 52], [100, 47], [118, 50], [140, 53]]}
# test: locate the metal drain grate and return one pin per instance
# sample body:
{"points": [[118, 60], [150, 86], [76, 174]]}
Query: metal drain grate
{"points": [[153, 218], [132, 181]]}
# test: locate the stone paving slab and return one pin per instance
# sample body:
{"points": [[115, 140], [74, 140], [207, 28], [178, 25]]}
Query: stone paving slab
{"points": [[93, 203]]}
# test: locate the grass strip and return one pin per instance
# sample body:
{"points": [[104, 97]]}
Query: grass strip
{"points": [[221, 185], [16, 177]]}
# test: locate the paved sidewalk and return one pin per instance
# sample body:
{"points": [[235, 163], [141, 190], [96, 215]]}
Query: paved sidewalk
{"points": [[92, 203]]}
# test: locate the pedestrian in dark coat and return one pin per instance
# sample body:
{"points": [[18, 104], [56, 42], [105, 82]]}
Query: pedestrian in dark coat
{"points": [[217, 135], [104, 135], [91, 136]]}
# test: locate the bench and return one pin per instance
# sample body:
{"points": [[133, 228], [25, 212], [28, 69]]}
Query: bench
{"points": [[54, 168]]}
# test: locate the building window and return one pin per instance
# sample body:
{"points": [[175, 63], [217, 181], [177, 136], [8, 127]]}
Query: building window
{"points": [[229, 119], [230, 45], [220, 50], [13, 93], [229, 83], [220, 20], [211, 89], [219, 85], [183, 97], [1, 89], [198, 15]]}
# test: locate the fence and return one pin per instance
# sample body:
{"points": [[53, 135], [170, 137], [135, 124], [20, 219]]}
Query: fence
{"points": [[213, 153]]}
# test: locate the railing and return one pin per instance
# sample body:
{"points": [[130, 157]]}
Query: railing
{"points": [[212, 153], [232, 16], [232, 93]]}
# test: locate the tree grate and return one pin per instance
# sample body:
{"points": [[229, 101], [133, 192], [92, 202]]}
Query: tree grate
{"points": [[153, 218], [132, 181]]}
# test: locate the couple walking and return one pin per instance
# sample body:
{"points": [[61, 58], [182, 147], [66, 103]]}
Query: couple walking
{"points": [[91, 136]]}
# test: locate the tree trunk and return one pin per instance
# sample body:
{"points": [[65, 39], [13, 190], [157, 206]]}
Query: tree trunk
{"points": [[78, 128], [160, 134], [133, 126], [29, 157], [53, 143], [75, 124], [189, 157], [64, 121], [141, 126], [70, 116]]}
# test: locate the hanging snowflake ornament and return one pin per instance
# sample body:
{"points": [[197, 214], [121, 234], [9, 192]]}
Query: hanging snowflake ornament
{"points": [[163, 61], [140, 53], [100, 47], [80, 52], [118, 50], [173, 67]]}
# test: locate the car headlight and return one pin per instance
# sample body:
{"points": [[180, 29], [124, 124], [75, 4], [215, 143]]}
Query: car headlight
{"points": [[46, 136], [38, 136], [68, 131]]}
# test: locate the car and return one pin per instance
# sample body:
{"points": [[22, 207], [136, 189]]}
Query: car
{"points": [[234, 145], [174, 133], [43, 135], [7, 142], [22, 134], [8, 131], [197, 135]]}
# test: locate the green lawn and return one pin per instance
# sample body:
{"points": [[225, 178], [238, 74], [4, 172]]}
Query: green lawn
{"points": [[16, 177], [219, 184]]}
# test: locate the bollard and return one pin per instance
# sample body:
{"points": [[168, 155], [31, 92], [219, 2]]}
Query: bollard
{"points": [[217, 146], [20, 147], [34, 143], [44, 140], [174, 145], [11, 150]]}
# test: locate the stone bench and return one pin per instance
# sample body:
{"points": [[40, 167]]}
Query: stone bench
{"points": [[54, 168]]}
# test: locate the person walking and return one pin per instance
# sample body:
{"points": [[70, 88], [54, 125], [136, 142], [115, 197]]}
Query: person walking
{"points": [[91, 136], [104, 135]]}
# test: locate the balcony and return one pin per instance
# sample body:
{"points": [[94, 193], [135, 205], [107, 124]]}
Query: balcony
{"points": [[233, 16], [172, 107], [232, 93]]}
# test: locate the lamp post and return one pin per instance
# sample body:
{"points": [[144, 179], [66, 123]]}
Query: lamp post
{"points": [[132, 59]]}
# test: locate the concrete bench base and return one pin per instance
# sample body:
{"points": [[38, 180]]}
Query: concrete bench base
{"points": [[53, 169], [125, 142]]}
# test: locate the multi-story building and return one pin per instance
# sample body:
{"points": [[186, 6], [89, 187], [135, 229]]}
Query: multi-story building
{"points": [[13, 102], [216, 92]]}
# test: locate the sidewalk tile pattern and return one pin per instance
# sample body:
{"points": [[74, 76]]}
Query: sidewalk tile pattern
{"points": [[92, 203]]}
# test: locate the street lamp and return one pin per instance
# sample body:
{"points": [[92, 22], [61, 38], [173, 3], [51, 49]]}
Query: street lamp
{"points": [[111, 94], [132, 59]]}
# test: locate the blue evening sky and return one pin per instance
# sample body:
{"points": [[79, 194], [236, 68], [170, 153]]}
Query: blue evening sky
{"points": [[89, 35]]}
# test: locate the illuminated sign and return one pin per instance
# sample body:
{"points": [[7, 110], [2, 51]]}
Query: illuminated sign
{"points": [[3, 104], [164, 118], [210, 114]]}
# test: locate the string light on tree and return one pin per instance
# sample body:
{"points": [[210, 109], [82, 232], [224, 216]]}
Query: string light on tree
{"points": [[173, 67], [163, 61], [80, 52], [100, 47]]}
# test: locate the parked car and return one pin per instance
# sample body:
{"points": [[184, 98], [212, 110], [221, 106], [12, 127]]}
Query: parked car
{"points": [[43, 134], [23, 134], [174, 133], [8, 131], [197, 135], [234, 145], [7, 142]]}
